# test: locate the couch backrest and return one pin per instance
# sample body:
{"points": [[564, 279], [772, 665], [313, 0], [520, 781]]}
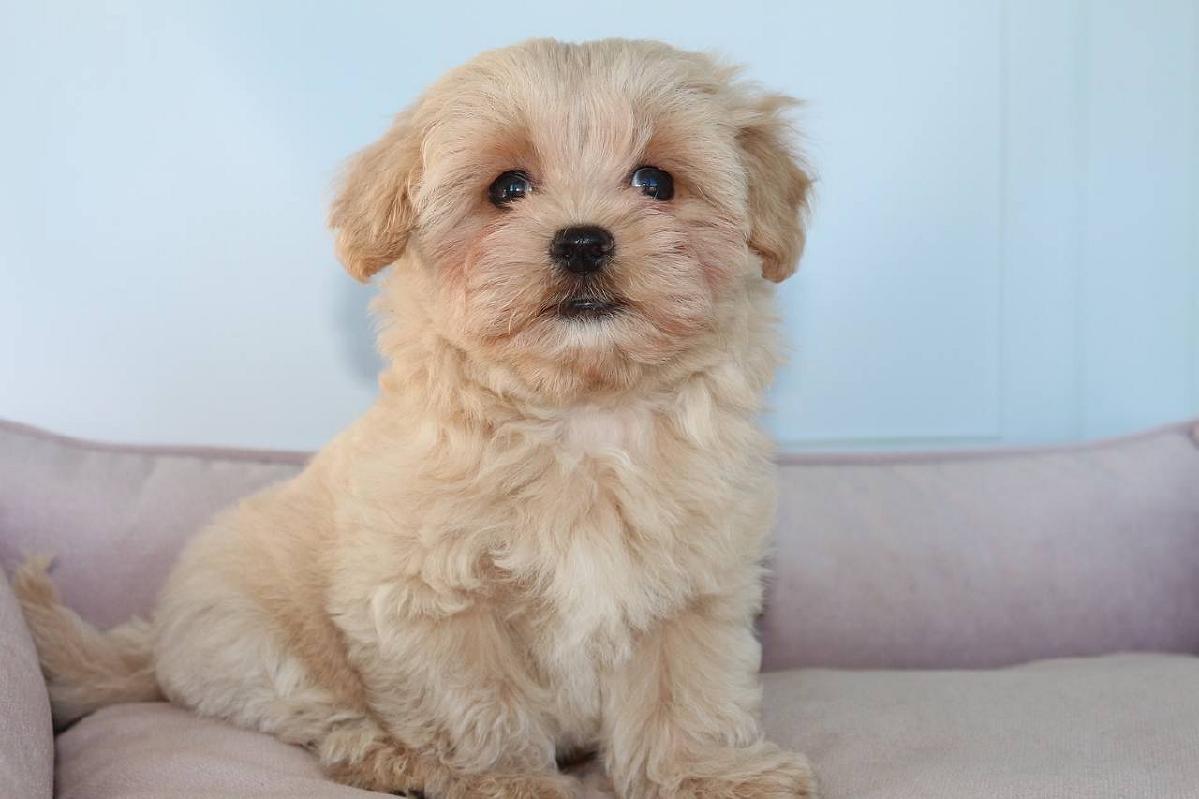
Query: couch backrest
{"points": [[896, 560], [987, 558], [114, 517]]}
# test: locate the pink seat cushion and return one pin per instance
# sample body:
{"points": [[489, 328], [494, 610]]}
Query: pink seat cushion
{"points": [[1122, 726]]}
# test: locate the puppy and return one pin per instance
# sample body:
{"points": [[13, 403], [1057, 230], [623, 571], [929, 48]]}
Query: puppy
{"points": [[545, 536]]}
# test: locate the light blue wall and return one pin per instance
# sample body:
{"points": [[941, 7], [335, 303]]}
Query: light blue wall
{"points": [[1003, 249]]}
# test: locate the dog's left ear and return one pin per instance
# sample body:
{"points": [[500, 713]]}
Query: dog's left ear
{"points": [[373, 213], [778, 186]]}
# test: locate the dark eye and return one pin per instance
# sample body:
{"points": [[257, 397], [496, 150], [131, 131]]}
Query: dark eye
{"points": [[654, 182], [509, 186]]}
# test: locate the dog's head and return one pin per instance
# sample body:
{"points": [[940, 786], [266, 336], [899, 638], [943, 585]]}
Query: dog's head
{"points": [[579, 213]]}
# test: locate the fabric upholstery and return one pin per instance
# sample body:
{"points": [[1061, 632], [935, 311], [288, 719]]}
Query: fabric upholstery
{"points": [[1102, 728], [1120, 727], [904, 560], [932, 560], [115, 517], [26, 737], [982, 559]]}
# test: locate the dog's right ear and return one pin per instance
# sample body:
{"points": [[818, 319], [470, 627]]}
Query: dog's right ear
{"points": [[373, 214]]}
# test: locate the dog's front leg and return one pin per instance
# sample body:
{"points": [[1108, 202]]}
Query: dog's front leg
{"points": [[454, 693], [681, 714]]}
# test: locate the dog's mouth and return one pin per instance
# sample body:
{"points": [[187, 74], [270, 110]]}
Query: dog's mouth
{"points": [[586, 307]]}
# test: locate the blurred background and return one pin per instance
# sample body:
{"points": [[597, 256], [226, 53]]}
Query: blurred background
{"points": [[1003, 248]]}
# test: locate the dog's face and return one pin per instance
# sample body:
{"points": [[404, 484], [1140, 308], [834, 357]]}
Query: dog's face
{"points": [[580, 213]]}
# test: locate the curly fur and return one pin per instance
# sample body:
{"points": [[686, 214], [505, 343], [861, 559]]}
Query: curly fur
{"points": [[545, 535]]}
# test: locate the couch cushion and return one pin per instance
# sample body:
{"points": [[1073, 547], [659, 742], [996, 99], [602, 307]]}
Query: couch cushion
{"points": [[115, 517], [157, 751], [26, 737], [979, 559], [1122, 726]]}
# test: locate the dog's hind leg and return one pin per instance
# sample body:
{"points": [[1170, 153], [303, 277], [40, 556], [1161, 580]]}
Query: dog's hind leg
{"points": [[222, 654]]}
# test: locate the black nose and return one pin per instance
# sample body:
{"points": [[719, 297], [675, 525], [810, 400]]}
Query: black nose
{"points": [[583, 249]]}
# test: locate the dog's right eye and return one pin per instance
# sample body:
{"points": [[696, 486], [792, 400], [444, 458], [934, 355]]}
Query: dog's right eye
{"points": [[509, 186]]}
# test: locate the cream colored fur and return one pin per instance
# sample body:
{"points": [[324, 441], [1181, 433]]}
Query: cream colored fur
{"points": [[545, 536]]}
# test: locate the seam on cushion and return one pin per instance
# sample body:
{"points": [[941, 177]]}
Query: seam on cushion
{"points": [[263, 456], [1185, 428]]}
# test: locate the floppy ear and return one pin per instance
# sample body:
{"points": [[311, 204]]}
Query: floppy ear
{"points": [[778, 187], [372, 213]]}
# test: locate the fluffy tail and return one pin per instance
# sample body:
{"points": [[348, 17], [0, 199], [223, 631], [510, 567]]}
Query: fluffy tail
{"points": [[85, 668]]}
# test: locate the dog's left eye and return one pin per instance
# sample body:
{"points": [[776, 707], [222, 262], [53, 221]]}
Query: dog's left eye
{"points": [[653, 182], [509, 186]]}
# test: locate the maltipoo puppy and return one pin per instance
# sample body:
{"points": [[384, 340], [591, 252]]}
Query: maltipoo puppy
{"points": [[545, 536]]}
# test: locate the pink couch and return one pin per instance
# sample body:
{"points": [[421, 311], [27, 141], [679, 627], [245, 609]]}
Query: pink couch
{"points": [[906, 587]]}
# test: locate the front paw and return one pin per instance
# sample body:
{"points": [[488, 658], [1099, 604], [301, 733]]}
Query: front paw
{"points": [[760, 772], [516, 786]]}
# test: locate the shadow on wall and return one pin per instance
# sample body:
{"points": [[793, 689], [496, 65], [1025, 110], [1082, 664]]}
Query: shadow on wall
{"points": [[356, 326]]}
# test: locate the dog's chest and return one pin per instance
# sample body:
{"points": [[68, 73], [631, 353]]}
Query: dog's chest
{"points": [[599, 432], [587, 531], [582, 619], [596, 540]]}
